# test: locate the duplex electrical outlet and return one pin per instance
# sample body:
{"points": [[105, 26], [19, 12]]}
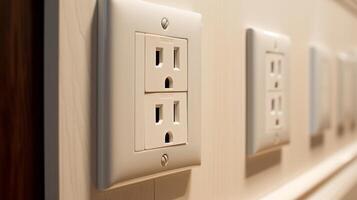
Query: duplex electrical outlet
{"points": [[274, 77], [346, 102], [165, 60], [149, 91], [320, 89], [267, 90]]}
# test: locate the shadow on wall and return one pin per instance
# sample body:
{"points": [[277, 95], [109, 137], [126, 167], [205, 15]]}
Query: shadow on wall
{"points": [[317, 141], [257, 164], [349, 5], [172, 186]]}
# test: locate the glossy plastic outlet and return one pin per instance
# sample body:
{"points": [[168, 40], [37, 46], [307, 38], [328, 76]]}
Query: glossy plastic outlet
{"points": [[149, 91], [267, 91], [319, 89]]}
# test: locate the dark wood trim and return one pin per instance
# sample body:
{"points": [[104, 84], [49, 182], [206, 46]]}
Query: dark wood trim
{"points": [[21, 100]]}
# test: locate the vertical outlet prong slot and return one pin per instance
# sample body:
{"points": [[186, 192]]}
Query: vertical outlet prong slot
{"points": [[280, 104], [158, 56], [176, 112], [272, 106], [279, 67], [277, 122], [176, 58], [168, 137], [272, 67], [168, 82], [158, 114]]}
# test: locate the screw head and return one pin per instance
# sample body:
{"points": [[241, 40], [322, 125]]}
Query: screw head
{"points": [[164, 160], [164, 23]]}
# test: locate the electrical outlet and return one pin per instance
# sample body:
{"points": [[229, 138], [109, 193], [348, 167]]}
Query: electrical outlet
{"points": [[165, 71], [346, 102], [320, 89], [165, 119], [274, 77], [149, 86], [166, 64], [274, 71], [267, 91], [275, 116]]}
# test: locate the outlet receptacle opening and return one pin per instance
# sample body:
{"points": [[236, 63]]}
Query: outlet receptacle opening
{"points": [[176, 57], [280, 104], [158, 114], [279, 67], [277, 122], [272, 105], [276, 84], [272, 67], [158, 56], [168, 82], [168, 137], [176, 111]]}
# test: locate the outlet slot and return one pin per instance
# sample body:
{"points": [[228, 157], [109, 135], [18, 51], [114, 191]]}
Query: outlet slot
{"points": [[272, 67], [158, 56], [176, 112], [279, 67], [168, 137], [168, 82], [276, 84], [158, 114], [280, 104], [177, 58], [277, 122], [272, 105]]}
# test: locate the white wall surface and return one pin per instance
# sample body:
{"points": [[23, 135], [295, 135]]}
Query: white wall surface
{"points": [[225, 173]]}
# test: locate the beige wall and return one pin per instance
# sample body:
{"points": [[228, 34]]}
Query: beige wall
{"points": [[224, 174], [352, 194]]}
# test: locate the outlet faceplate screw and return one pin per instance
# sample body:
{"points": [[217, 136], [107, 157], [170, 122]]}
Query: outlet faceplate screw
{"points": [[164, 23], [164, 160]]}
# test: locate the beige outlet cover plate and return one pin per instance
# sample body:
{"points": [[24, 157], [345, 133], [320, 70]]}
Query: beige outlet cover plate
{"points": [[121, 158], [260, 45], [346, 92], [319, 89]]}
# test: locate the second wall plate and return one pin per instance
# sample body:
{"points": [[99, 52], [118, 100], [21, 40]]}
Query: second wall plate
{"points": [[267, 57]]}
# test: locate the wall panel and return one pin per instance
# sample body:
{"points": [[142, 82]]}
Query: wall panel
{"points": [[225, 173]]}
